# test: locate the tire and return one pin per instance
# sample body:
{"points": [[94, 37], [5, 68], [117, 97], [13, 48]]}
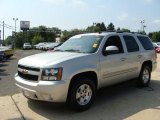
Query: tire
{"points": [[81, 94], [145, 76]]}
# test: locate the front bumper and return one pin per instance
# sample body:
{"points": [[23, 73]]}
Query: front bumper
{"points": [[52, 91]]}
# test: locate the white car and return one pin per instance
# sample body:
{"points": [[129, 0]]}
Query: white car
{"points": [[85, 63], [27, 46]]}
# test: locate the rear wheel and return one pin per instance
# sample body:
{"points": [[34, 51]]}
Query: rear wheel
{"points": [[145, 76], [81, 94]]}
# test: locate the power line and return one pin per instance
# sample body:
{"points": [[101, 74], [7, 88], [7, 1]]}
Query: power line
{"points": [[6, 25], [9, 27]]}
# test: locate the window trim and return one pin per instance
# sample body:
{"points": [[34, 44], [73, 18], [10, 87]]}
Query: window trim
{"points": [[106, 43]]}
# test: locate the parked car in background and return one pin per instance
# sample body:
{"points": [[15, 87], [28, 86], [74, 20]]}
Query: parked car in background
{"points": [[7, 52], [157, 47], [39, 45], [27, 46], [158, 43], [51, 46]]}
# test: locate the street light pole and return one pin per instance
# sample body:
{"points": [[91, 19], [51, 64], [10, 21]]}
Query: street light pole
{"points": [[15, 21], [142, 25]]}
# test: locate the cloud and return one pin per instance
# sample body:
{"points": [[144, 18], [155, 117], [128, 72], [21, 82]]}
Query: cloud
{"points": [[123, 16], [55, 2], [78, 3], [156, 21]]}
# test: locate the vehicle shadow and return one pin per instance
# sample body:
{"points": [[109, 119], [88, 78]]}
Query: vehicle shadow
{"points": [[2, 64], [3, 72], [112, 103]]}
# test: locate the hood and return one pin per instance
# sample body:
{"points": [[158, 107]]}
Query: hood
{"points": [[48, 58]]}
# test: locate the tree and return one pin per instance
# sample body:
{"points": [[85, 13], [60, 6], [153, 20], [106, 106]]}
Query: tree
{"points": [[9, 40], [19, 40], [125, 30], [37, 39], [150, 35], [97, 27], [118, 29], [68, 34], [156, 36], [111, 27], [103, 27]]}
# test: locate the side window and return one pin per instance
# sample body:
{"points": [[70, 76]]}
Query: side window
{"points": [[146, 43], [114, 41], [131, 43]]}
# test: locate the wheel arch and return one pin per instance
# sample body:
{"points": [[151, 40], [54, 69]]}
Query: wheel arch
{"points": [[88, 74], [149, 63]]}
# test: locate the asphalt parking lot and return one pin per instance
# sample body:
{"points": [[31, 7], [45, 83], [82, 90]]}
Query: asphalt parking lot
{"points": [[124, 101]]}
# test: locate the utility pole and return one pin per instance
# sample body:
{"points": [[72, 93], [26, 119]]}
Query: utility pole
{"points": [[3, 31], [143, 26]]}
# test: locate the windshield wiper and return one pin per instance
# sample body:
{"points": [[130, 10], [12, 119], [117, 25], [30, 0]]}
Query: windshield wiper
{"points": [[73, 50], [59, 50]]}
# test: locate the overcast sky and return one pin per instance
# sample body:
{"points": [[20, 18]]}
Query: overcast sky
{"points": [[70, 14]]}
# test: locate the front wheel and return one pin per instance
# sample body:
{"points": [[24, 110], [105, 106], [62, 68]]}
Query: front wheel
{"points": [[145, 76], [81, 94]]}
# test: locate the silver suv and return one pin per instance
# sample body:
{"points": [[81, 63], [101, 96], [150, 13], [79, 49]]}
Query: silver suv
{"points": [[85, 63]]}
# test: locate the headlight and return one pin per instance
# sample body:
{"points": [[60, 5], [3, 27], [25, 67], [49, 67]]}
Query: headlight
{"points": [[51, 74]]}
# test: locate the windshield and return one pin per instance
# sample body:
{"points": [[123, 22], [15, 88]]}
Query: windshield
{"points": [[27, 43], [82, 44]]}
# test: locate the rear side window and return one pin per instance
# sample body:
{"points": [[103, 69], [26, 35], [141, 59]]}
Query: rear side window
{"points": [[131, 43], [146, 43]]}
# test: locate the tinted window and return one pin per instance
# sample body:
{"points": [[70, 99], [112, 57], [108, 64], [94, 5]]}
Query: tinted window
{"points": [[131, 44], [146, 43]]}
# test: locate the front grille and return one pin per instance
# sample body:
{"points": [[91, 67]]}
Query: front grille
{"points": [[28, 76], [29, 68]]}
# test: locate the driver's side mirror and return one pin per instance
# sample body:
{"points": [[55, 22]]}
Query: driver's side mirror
{"points": [[109, 50]]}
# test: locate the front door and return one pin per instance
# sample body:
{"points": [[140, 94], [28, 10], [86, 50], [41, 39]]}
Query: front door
{"points": [[113, 66]]}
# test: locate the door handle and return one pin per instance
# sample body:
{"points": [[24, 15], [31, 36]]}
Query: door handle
{"points": [[123, 59]]}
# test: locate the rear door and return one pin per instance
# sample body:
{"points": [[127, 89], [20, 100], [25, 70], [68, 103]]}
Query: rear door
{"points": [[133, 56]]}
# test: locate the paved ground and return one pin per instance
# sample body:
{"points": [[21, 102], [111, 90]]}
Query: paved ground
{"points": [[124, 101], [8, 70]]}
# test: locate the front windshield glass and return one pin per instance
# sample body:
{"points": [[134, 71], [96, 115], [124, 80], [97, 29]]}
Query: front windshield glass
{"points": [[27, 43], [82, 44]]}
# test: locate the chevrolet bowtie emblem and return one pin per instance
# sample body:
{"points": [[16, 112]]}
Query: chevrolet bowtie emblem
{"points": [[24, 71]]}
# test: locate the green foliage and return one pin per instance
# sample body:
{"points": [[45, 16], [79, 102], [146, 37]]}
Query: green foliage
{"points": [[97, 27], [155, 36], [68, 34], [118, 29], [110, 27], [8, 40], [123, 30], [36, 35], [37, 39], [19, 40], [103, 27]]}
